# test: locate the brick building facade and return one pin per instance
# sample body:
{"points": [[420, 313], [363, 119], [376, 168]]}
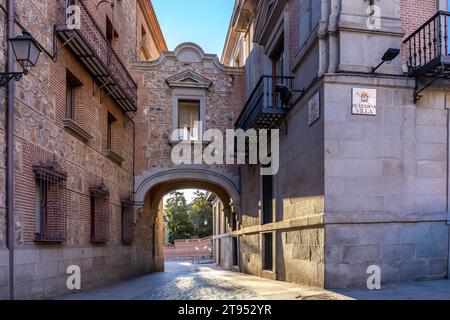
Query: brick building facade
{"points": [[73, 148]]}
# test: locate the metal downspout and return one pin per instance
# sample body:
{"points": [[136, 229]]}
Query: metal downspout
{"points": [[10, 151], [134, 155]]}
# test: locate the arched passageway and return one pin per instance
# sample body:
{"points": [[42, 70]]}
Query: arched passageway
{"points": [[151, 191]]}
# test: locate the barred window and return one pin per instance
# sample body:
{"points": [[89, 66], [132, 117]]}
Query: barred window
{"points": [[72, 85], [100, 211], [51, 199]]}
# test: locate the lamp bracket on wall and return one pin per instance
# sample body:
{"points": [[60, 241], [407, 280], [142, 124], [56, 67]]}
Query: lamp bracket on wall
{"points": [[418, 89], [8, 76]]}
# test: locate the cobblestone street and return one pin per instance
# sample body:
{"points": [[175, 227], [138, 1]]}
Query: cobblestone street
{"points": [[183, 281]]}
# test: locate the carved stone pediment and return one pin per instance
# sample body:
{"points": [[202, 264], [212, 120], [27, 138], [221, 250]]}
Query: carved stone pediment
{"points": [[188, 79]]}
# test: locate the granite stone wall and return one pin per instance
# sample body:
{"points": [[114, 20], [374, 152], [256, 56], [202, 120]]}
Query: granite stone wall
{"points": [[385, 183]]}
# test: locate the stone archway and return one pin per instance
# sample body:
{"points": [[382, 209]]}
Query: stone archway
{"points": [[152, 187]]}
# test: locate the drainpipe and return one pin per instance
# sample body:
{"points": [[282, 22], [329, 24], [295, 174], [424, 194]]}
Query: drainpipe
{"points": [[10, 151], [134, 155]]}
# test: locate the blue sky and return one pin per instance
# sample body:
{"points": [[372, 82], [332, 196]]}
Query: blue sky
{"points": [[204, 22]]}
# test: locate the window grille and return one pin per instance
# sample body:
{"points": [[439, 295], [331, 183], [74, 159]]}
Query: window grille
{"points": [[51, 200], [100, 212]]}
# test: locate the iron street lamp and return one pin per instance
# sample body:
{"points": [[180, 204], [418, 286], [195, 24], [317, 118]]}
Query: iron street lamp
{"points": [[26, 52]]}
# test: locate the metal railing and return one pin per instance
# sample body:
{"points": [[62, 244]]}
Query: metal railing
{"points": [[93, 34], [429, 42], [263, 97], [205, 259]]}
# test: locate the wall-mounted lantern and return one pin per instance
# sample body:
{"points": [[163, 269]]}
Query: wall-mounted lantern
{"points": [[26, 52], [388, 56]]}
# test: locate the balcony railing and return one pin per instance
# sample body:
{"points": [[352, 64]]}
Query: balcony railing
{"points": [[428, 47], [91, 46], [264, 108]]}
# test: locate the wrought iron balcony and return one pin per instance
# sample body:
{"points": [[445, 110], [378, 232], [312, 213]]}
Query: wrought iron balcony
{"points": [[428, 48], [95, 52], [264, 108]]}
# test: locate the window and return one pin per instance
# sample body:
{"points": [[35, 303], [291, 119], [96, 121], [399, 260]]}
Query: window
{"points": [[189, 119], [112, 140], [128, 224], [99, 214], [72, 83], [267, 199], [109, 131], [268, 251], [309, 17], [50, 209], [278, 61], [143, 48], [235, 252], [112, 38]]}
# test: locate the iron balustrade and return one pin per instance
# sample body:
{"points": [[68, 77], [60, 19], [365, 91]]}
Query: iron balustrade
{"points": [[264, 107], [429, 44], [91, 45]]}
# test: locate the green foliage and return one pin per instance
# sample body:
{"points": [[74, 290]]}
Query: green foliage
{"points": [[177, 217], [188, 221], [201, 216]]}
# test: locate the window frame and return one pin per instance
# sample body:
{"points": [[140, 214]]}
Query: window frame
{"points": [[270, 255], [235, 251], [109, 130], [188, 94], [181, 130], [72, 85], [99, 196], [267, 217]]}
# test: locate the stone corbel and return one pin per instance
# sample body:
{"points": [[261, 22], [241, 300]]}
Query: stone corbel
{"points": [[138, 210]]}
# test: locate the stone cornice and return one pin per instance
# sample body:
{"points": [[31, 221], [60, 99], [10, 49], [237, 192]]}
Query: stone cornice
{"points": [[187, 51], [189, 79]]}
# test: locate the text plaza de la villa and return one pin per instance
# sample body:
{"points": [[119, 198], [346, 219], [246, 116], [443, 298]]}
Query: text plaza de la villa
{"points": [[354, 99]]}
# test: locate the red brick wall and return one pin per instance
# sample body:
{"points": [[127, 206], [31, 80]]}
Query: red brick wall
{"points": [[40, 111], [185, 249], [294, 30], [413, 14]]}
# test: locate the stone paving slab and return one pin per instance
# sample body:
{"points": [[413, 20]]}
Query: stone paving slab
{"points": [[183, 281], [421, 290]]}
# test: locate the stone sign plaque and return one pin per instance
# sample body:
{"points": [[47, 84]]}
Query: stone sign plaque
{"points": [[314, 108], [364, 102]]}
